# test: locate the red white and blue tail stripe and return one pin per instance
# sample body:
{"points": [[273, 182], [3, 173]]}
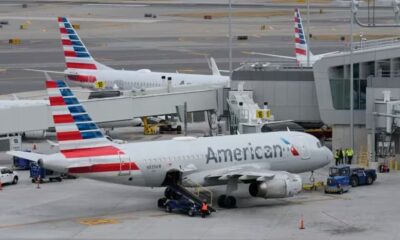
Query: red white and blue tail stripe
{"points": [[77, 134], [77, 57], [300, 39]]}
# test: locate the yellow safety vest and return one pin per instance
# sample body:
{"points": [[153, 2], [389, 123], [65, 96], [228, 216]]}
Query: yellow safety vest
{"points": [[350, 152]]}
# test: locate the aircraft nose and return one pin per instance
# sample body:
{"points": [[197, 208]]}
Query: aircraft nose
{"points": [[328, 156]]}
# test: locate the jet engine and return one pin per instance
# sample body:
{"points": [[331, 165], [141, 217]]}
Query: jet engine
{"points": [[282, 185]]}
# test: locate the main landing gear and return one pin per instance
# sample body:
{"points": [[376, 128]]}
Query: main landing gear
{"points": [[227, 200]]}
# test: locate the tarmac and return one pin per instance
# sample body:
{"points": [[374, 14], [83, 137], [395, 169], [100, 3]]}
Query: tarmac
{"points": [[121, 37]]}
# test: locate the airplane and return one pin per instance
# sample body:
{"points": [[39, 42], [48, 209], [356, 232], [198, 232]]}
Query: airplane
{"points": [[268, 162], [301, 46], [83, 69]]}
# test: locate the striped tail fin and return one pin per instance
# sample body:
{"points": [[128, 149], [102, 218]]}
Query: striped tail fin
{"points": [[77, 56], [300, 39], [77, 134]]}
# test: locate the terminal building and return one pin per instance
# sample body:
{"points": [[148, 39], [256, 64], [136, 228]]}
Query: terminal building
{"points": [[320, 95]]}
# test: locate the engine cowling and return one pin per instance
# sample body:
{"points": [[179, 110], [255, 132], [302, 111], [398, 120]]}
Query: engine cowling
{"points": [[282, 185]]}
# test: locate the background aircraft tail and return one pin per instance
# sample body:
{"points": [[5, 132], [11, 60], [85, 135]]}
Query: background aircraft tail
{"points": [[300, 38], [77, 134], [77, 56]]}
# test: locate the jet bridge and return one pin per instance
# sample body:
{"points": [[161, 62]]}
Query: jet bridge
{"points": [[245, 115], [19, 116]]}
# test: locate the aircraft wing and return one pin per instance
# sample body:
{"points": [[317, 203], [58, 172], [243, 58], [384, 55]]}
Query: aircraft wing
{"points": [[269, 55], [242, 173]]}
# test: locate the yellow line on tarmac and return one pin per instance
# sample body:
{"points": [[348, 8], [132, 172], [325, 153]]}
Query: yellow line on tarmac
{"points": [[97, 221], [185, 70]]}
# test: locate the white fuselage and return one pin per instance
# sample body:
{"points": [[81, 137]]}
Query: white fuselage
{"points": [[196, 157], [144, 79]]}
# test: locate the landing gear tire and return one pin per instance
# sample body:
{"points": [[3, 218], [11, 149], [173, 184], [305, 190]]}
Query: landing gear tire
{"points": [[221, 201], [161, 202], [230, 202], [226, 201]]}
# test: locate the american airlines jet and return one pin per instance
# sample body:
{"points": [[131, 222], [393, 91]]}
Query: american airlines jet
{"points": [[301, 49], [84, 70], [267, 162]]}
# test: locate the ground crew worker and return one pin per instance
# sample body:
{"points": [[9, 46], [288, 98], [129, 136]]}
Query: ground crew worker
{"points": [[340, 156], [336, 156], [204, 209], [344, 160], [349, 154]]}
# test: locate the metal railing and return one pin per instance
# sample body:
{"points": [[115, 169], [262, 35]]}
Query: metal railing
{"points": [[376, 43], [201, 192]]}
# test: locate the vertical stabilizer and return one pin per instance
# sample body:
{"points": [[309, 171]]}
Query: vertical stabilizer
{"points": [[300, 39], [77, 134], [77, 56]]}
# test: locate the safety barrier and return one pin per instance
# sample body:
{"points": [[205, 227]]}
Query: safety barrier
{"points": [[393, 164]]}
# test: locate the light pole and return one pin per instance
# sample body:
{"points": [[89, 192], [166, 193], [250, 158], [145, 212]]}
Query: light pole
{"points": [[308, 32], [230, 38], [352, 11]]}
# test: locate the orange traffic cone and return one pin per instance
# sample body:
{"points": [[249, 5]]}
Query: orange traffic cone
{"points": [[301, 223]]}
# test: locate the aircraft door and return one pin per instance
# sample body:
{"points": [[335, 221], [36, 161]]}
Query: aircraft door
{"points": [[124, 165]]}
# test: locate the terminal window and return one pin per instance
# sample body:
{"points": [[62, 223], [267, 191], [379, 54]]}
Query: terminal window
{"points": [[340, 88]]}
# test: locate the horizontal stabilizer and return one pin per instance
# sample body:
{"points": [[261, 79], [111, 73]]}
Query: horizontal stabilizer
{"points": [[43, 71], [26, 155]]}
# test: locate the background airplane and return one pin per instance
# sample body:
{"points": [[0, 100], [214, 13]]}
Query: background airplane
{"points": [[84, 70], [265, 161], [301, 46]]}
